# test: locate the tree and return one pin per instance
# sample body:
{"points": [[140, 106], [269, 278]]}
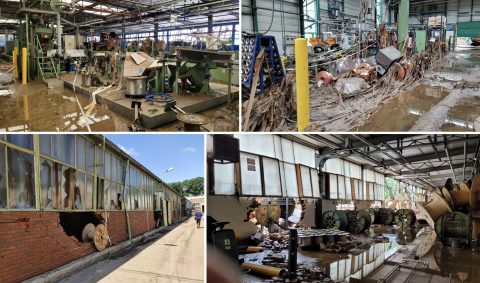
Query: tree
{"points": [[190, 188]]}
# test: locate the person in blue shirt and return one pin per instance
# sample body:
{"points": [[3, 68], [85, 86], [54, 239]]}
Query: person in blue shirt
{"points": [[198, 217]]}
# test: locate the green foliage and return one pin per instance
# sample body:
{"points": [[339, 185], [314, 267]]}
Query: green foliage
{"points": [[191, 187], [391, 188]]}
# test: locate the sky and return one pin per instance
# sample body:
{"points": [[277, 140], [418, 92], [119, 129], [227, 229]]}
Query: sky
{"points": [[161, 152]]}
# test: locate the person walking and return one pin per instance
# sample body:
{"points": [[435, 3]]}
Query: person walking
{"points": [[198, 217]]}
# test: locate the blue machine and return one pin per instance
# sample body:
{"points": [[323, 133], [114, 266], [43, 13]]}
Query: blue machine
{"points": [[272, 70]]}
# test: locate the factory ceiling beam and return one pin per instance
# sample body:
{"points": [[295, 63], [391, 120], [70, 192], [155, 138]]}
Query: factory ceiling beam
{"points": [[437, 168], [449, 159], [430, 156]]}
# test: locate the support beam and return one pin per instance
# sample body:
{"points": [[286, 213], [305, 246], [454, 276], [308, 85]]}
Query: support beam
{"points": [[403, 15], [428, 156], [302, 18], [254, 15], [438, 168]]}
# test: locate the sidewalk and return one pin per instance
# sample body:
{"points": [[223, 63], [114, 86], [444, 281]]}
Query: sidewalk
{"points": [[176, 257]]}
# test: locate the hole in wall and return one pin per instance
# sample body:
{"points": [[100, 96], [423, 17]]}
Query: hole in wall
{"points": [[74, 222]]}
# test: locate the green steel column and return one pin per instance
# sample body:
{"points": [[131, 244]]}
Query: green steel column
{"points": [[253, 3], [403, 14], [302, 18]]}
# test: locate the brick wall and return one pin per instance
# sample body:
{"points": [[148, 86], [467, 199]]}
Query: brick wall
{"points": [[32, 243]]}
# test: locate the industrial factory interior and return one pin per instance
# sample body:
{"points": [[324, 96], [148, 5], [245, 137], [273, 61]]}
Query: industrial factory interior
{"points": [[343, 208], [345, 65], [100, 66]]}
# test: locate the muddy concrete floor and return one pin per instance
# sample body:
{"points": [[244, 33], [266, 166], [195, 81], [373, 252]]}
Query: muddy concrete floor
{"points": [[446, 99], [222, 119], [33, 107], [363, 262]]}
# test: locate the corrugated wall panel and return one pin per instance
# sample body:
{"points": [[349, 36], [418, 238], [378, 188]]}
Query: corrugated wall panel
{"points": [[264, 16], [452, 12]]}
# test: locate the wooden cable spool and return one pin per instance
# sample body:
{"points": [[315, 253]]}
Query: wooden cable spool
{"points": [[88, 232], [405, 218], [100, 237], [461, 197], [448, 197], [434, 209], [454, 226]]}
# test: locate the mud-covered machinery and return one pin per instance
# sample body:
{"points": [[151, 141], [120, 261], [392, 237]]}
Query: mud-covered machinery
{"points": [[41, 34], [191, 71]]}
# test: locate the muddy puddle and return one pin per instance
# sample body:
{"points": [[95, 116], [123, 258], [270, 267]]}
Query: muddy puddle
{"points": [[401, 113], [33, 107]]}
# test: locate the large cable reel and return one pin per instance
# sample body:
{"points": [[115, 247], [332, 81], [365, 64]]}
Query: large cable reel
{"points": [[386, 216], [334, 220], [405, 218]]}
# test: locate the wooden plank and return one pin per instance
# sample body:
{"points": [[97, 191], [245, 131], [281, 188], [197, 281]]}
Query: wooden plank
{"points": [[258, 68]]}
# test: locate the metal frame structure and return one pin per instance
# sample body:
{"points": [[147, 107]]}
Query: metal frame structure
{"points": [[425, 160]]}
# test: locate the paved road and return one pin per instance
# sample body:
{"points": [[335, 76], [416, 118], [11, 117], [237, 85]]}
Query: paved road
{"points": [[176, 257]]}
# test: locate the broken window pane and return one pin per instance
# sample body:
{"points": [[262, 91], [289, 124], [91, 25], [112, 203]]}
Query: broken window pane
{"points": [[80, 160], [23, 140], [79, 192], [21, 179], [100, 186], [106, 193], [3, 178], [69, 149], [113, 196], [114, 168], [68, 186], [89, 192], [90, 159], [50, 182]]}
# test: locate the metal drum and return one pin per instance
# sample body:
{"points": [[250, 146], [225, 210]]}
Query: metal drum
{"points": [[136, 87]]}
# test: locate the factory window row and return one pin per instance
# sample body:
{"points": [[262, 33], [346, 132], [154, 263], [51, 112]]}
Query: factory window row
{"points": [[265, 176], [73, 173], [342, 187]]}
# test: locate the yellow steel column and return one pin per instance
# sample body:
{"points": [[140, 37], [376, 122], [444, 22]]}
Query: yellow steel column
{"points": [[302, 84], [24, 66], [15, 62]]}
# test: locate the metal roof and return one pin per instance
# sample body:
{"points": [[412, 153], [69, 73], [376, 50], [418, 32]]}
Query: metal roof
{"points": [[137, 15], [425, 160]]}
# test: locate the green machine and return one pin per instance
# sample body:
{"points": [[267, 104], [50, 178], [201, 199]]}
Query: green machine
{"points": [[192, 67], [420, 40]]}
